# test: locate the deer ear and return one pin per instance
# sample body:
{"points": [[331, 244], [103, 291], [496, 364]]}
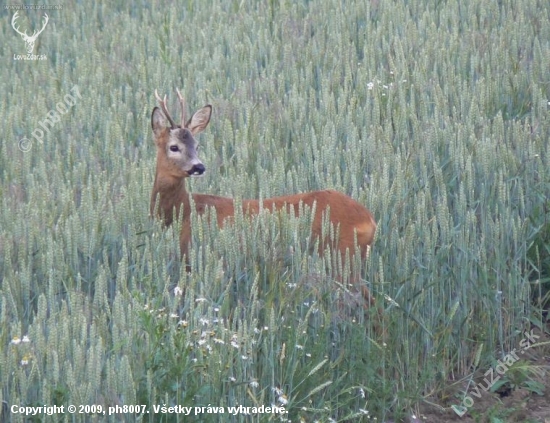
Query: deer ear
{"points": [[158, 121], [199, 121]]}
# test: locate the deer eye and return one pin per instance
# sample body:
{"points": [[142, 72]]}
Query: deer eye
{"points": [[174, 148]]}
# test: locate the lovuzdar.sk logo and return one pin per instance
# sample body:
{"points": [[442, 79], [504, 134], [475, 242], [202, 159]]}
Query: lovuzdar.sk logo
{"points": [[29, 40]]}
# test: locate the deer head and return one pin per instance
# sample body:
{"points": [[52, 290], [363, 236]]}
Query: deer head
{"points": [[176, 145], [29, 40]]}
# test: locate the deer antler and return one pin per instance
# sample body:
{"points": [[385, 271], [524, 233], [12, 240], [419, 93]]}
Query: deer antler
{"points": [[165, 109], [24, 34], [46, 19], [182, 104]]}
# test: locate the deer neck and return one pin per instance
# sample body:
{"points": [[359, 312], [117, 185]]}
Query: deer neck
{"points": [[172, 195]]}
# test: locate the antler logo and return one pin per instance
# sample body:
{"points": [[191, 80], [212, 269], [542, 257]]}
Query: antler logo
{"points": [[29, 40]]}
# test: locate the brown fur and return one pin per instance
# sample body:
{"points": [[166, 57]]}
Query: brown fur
{"points": [[352, 219]]}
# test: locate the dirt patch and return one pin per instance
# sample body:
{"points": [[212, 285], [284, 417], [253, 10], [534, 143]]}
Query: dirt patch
{"points": [[525, 397]]}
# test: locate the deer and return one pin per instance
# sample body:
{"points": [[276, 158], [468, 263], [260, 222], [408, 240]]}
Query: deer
{"points": [[29, 39], [177, 160]]}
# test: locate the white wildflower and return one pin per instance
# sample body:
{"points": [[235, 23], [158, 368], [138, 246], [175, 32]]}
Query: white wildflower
{"points": [[283, 400]]}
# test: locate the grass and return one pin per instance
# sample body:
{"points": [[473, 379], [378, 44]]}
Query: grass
{"points": [[433, 114]]}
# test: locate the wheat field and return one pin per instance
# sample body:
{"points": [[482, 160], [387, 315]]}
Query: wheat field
{"points": [[433, 114]]}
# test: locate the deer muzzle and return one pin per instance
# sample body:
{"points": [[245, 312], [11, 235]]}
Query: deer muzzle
{"points": [[197, 170]]}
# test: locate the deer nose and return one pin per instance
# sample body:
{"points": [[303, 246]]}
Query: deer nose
{"points": [[197, 170]]}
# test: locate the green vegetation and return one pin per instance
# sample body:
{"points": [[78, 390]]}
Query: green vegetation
{"points": [[434, 114]]}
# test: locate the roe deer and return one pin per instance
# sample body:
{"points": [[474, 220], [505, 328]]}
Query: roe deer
{"points": [[177, 159]]}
